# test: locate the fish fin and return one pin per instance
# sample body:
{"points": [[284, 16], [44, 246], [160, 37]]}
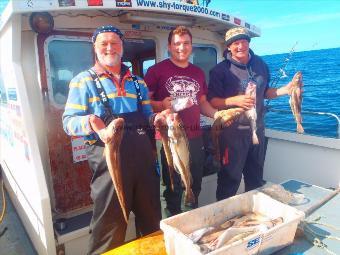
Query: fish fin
{"points": [[299, 128], [291, 104], [171, 175], [189, 197], [104, 152], [126, 216], [255, 138]]}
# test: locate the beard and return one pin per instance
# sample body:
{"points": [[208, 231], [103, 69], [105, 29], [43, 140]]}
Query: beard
{"points": [[110, 60]]}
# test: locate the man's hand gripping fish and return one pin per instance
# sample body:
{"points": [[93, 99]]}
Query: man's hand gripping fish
{"points": [[223, 118], [114, 134], [295, 101]]}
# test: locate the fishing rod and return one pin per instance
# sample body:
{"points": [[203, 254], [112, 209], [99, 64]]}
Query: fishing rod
{"points": [[282, 70]]}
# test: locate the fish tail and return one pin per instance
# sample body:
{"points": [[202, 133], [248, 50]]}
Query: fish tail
{"points": [[255, 138], [299, 128], [189, 197], [171, 175], [126, 216]]}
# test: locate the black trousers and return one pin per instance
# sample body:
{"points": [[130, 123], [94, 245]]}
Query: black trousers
{"points": [[141, 186], [239, 156], [174, 198]]}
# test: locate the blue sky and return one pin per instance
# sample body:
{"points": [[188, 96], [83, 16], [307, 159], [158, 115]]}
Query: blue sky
{"points": [[313, 24], [2, 4]]}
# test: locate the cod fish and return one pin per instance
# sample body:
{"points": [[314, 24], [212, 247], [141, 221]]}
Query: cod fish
{"points": [[114, 133], [251, 113], [211, 233], [163, 131], [211, 238], [223, 118], [179, 148], [295, 101], [242, 230]]}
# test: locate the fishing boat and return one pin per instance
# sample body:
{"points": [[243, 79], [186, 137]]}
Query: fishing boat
{"points": [[43, 45]]}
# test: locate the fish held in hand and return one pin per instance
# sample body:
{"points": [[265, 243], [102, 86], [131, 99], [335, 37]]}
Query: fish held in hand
{"points": [[114, 133], [163, 131], [179, 146], [251, 113], [223, 118], [295, 101], [181, 103]]}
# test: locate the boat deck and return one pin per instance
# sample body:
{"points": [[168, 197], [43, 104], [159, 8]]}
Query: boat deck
{"points": [[319, 203]]}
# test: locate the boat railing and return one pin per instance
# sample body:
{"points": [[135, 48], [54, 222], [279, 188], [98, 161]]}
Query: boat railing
{"points": [[332, 115]]}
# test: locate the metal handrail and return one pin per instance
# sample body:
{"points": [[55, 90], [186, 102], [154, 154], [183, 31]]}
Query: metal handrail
{"points": [[336, 117]]}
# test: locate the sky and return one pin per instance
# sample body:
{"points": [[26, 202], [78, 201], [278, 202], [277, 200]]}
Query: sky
{"points": [[310, 24], [307, 24]]}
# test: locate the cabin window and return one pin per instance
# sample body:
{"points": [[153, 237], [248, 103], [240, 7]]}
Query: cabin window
{"points": [[147, 64], [140, 53], [205, 57], [66, 58], [129, 65]]}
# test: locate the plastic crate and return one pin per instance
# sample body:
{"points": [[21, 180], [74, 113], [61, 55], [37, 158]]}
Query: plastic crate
{"points": [[177, 227]]}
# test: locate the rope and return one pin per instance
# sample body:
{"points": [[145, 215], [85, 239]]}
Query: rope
{"points": [[4, 201], [321, 235], [316, 221], [316, 241]]}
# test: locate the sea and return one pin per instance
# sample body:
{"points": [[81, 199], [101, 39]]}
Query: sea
{"points": [[321, 91]]}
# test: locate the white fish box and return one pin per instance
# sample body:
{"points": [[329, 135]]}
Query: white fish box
{"points": [[177, 228]]}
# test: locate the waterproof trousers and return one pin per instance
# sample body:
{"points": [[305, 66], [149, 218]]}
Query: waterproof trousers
{"points": [[140, 184], [239, 156]]}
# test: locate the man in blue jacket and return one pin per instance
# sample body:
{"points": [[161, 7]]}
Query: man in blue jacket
{"points": [[228, 82], [96, 96]]}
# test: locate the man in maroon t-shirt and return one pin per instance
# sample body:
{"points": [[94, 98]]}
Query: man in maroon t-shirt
{"points": [[172, 80]]}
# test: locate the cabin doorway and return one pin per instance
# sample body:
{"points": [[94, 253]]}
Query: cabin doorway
{"points": [[139, 55]]}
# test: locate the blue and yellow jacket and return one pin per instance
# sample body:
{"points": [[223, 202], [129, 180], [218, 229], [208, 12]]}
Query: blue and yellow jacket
{"points": [[83, 100]]}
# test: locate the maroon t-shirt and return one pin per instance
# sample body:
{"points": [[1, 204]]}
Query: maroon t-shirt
{"points": [[166, 79]]}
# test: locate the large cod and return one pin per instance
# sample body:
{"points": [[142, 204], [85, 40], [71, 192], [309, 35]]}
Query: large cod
{"points": [[177, 143], [114, 133], [295, 101]]}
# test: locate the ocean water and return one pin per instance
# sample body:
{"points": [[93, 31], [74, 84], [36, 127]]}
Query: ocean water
{"points": [[321, 78]]}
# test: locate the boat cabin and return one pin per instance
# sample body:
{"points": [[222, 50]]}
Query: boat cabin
{"points": [[43, 45]]}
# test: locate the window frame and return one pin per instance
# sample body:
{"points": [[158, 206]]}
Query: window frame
{"points": [[197, 45], [201, 45], [47, 69]]}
